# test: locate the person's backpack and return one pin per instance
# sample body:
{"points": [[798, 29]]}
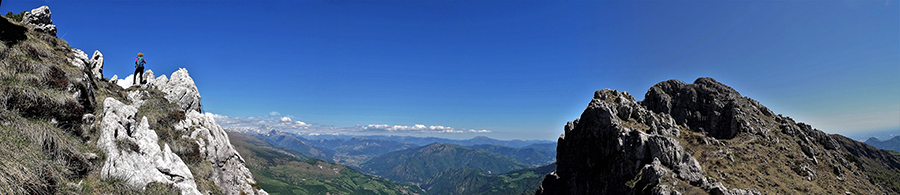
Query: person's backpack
{"points": [[139, 62]]}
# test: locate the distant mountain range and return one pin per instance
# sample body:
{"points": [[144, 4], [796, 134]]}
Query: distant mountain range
{"points": [[421, 141], [498, 166], [474, 182], [890, 144], [353, 151], [420, 164], [289, 141], [535, 154], [884, 134], [280, 171]]}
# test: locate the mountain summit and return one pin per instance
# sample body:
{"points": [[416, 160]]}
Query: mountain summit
{"points": [[703, 138]]}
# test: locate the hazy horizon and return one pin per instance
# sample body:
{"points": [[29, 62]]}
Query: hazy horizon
{"points": [[506, 70]]}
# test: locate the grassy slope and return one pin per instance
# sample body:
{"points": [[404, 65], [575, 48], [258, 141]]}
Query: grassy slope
{"points": [[43, 140], [474, 182], [282, 172]]}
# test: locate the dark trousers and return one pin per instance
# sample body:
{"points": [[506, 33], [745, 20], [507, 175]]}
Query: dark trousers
{"points": [[138, 70]]}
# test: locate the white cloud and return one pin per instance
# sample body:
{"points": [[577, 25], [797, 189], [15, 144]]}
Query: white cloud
{"points": [[421, 128], [302, 124], [275, 121]]}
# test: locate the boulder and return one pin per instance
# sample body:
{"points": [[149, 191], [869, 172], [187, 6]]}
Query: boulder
{"points": [[96, 63], [133, 151], [39, 20], [180, 89], [652, 174]]}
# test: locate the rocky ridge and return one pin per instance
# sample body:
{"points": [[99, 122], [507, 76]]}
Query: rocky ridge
{"points": [[213, 145], [706, 138], [132, 151], [83, 134]]}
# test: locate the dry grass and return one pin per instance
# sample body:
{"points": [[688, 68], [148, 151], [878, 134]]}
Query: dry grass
{"points": [[38, 82], [38, 157], [43, 139], [770, 168], [96, 185]]}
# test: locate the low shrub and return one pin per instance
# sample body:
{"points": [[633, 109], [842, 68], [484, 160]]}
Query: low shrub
{"points": [[15, 17]]}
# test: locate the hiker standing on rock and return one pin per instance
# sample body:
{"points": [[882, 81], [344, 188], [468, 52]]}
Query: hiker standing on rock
{"points": [[139, 68]]}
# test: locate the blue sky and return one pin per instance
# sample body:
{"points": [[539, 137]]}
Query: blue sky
{"points": [[519, 70]]}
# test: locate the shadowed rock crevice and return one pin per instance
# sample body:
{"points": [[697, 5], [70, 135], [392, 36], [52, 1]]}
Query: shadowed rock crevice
{"points": [[10, 33]]}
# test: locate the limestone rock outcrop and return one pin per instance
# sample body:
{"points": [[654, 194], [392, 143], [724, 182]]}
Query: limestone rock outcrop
{"points": [[39, 20], [96, 64], [180, 88], [134, 154], [230, 174], [79, 59], [92, 66]]}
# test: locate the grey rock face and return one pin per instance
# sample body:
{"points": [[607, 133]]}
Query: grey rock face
{"points": [[180, 88], [39, 20], [159, 81], [617, 138], [132, 151], [707, 106], [230, 174], [96, 64], [652, 174]]}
